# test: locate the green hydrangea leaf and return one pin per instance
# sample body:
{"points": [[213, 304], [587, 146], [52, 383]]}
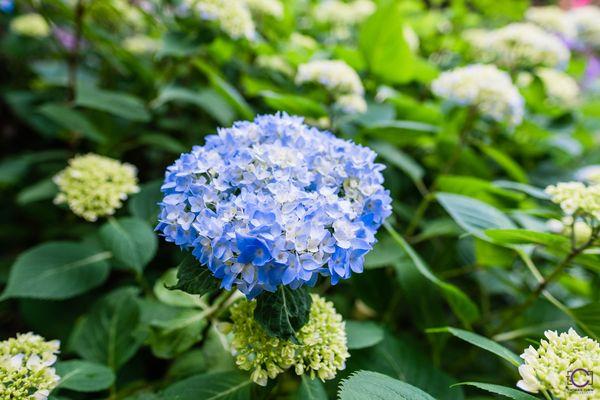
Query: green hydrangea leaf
{"points": [[194, 278], [283, 312]]}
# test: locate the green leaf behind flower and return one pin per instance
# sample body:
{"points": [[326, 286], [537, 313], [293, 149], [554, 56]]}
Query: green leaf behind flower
{"points": [[283, 312]]}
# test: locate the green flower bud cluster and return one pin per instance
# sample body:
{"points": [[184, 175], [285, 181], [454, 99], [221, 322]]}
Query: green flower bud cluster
{"points": [[33, 25], [320, 352], [26, 367], [575, 198], [94, 186], [562, 365]]}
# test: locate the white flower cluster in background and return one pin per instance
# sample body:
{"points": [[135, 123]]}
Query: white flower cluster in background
{"points": [[560, 365], [484, 87], [233, 17], [587, 24], [26, 370], [336, 12], [519, 45], [575, 198], [272, 8], [33, 25], [553, 19], [561, 89], [339, 79]]}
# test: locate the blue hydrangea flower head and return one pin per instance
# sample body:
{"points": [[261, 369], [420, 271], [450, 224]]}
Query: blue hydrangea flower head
{"points": [[275, 202]]}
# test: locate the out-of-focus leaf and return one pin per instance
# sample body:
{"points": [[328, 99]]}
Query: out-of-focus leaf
{"points": [[42, 190], [131, 241], [117, 103], [363, 334], [144, 204], [483, 343], [524, 236], [207, 99], [161, 141], [373, 385], [588, 316], [175, 298], [57, 270], [384, 253], [400, 160], [71, 120], [473, 215], [513, 169], [233, 385], [460, 303], [226, 90], [108, 333], [382, 42], [293, 104], [84, 376], [400, 132]]}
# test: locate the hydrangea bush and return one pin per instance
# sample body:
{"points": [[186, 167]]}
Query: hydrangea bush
{"points": [[299, 199]]}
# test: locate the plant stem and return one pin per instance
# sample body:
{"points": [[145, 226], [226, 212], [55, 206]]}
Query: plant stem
{"points": [[447, 168], [544, 282], [73, 59]]}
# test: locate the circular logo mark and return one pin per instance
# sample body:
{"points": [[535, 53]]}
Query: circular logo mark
{"points": [[584, 377]]}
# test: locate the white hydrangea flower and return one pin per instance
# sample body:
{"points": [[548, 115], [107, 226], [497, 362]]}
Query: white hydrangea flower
{"points": [[576, 198], [589, 174], [587, 23], [485, 87], [140, 44], [553, 19], [562, 365], [275, 63], [336, 76], [233, 16], [339, 13], [272, 8], [33, 25], [520, 45], [351, 104], [561, 89], [26, 367]]}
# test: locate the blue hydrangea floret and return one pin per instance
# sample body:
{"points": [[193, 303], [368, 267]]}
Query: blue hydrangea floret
{"points": [[275, 202]]}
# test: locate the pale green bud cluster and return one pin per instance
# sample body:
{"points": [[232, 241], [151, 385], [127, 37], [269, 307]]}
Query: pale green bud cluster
{"points": [[233, 17], [339, 79], [553, 19], [320, 352], [140, 44], [575, 198], [271, 8], [484, 87], [336, 12], [32, 24], [561, 89], [26, 371], [563, 366], [587, 25], [520, 45], [94, 186], [275, 63], [579, 229]]}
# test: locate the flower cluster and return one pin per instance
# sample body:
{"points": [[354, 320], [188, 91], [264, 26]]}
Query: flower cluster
{"points": [[561, 89], [26, 367], [587, 25], [521, 45], [274, 202], [33, 25], [94, 186], [339, 13], [339, 79], [578, 229], [553, 19], [320, 352], [561, 365], [233, 17], [140, 44], [575, 198], [485, 87], [272, 8]]}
